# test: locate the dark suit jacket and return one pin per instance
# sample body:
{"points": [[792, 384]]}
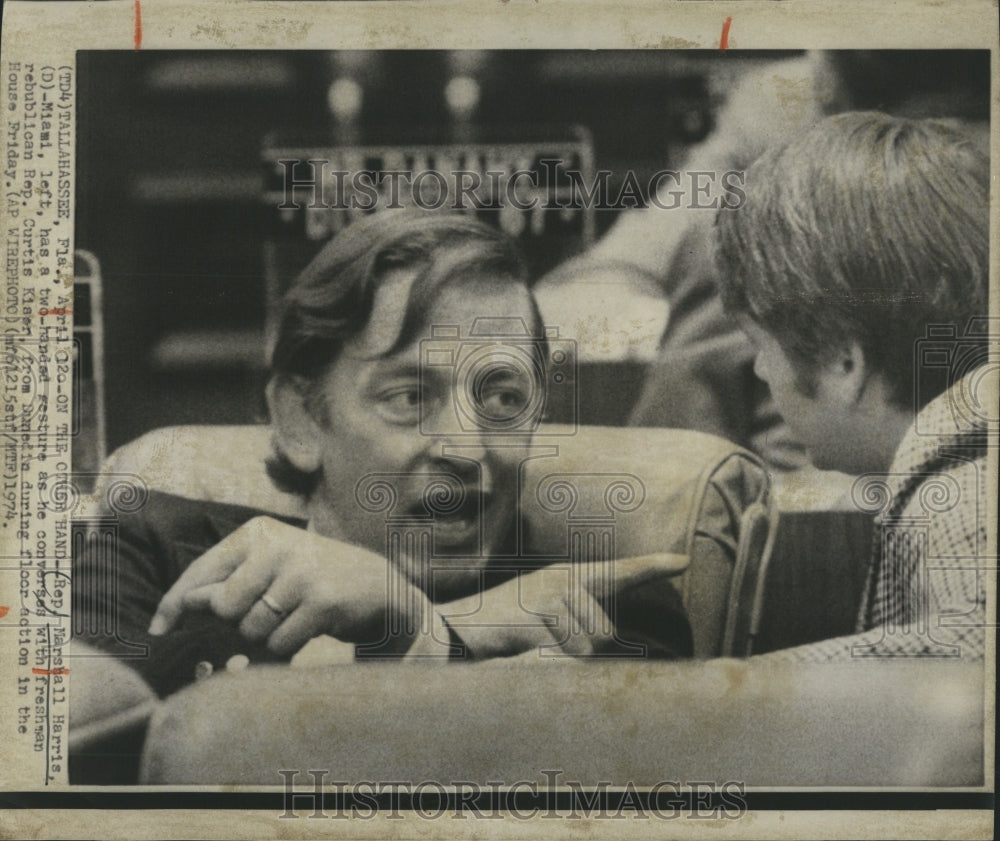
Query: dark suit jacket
{"points": [[117, 588], [119, 583]]}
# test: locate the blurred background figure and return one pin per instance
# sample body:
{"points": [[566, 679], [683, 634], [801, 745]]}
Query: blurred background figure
{"points": [[703, 375]]}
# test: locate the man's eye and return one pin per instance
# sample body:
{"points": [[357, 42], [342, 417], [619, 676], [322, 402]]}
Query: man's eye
{"points": [[503, 403], [401, 405]]}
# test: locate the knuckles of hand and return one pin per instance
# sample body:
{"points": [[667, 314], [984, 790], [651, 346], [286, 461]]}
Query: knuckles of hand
{"points": [[331, 587]]}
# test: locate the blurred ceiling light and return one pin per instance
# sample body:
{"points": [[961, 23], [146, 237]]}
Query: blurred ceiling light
{"points": [[462, 95], [344, 98]]}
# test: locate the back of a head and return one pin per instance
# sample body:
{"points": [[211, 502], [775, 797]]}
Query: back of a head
{"points": [[864, 228]]}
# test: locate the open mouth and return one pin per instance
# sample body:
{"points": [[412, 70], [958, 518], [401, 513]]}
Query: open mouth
{"points": [[458, 523], [461, 525]]}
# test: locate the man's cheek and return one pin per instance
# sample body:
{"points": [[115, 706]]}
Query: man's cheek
{"points": [[371, 533], [510, 453]]}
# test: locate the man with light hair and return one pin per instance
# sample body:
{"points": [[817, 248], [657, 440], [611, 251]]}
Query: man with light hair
{"points": [[859, 268]]}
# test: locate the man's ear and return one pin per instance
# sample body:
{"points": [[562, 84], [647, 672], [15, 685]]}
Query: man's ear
{"points": [[847, 374], [297, 433]]}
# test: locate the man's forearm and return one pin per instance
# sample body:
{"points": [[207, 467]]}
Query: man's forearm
{"points": [[575, 609]]}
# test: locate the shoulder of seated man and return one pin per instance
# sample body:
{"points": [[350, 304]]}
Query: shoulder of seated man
{"points": [[193, 521]]}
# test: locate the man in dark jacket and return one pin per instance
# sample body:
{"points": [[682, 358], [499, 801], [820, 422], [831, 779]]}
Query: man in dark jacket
{"points": [[408, 377]]}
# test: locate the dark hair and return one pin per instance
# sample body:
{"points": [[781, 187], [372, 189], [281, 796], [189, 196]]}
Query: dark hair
{"points": [[864, 228], [331, 301]]}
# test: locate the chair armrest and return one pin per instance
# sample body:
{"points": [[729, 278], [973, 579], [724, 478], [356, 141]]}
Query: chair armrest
{"points": [[110, 708], [855, 724]]}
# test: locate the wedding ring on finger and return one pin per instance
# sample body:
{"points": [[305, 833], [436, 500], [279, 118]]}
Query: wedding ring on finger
{"points": [[273, 606]]}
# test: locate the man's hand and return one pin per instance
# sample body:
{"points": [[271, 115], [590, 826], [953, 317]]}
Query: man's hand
{"points": [[286, 585], [579, 609]]}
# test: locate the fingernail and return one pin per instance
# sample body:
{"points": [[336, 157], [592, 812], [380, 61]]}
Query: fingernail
{"points": [[158, 626]]}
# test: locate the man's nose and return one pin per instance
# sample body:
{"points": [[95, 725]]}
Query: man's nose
{"points": [[456, 424], [464, 450], [466, 461], [461, 449]]}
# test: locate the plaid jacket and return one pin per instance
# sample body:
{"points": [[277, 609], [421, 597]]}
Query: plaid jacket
{"points": [[925, 594]]}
